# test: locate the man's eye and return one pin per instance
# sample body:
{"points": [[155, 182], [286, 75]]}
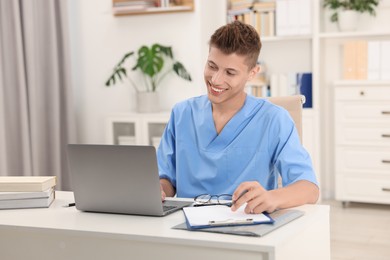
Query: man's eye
{"points": [[230, 73], [211, 66]]}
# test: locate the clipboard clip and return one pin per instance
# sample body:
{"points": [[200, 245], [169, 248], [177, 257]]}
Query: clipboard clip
{"points": [[228, 222]]}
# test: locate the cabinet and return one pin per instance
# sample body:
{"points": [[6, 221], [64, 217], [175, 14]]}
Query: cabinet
{"points": [[128, 7], [330, 69], [136, 128], [362, 141]]}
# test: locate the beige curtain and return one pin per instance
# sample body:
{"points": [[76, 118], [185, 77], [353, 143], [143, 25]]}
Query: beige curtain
{"points": [[36, 118]]}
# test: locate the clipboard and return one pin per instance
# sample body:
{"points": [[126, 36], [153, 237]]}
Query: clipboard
{"points": [[280, 217], [221, 216]]}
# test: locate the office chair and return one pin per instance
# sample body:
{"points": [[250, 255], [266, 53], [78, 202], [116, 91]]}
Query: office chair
{"points": [[293, 104]]}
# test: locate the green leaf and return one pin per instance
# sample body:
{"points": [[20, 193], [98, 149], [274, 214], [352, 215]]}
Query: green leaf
{"points": [[181, 71], [157, 48], [118, 69], [149, 61]]}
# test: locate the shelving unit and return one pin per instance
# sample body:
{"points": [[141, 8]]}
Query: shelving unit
{"points": [[284, 54], [174, 7], [330, 69], [136, 128]]}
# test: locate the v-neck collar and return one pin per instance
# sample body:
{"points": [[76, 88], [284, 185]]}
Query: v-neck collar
{"points": [[211, 140]]}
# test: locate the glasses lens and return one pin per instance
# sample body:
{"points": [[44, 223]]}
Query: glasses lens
{"points": [[224, 198], [203, 198]]}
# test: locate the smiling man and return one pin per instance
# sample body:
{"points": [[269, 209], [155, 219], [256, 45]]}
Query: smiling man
{"points": [[228, 142]]}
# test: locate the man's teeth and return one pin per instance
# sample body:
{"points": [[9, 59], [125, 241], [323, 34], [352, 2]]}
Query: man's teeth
{"points": [[217, 89]]}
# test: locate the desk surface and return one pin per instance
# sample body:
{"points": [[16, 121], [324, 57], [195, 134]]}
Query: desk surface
{"points": [[58, 221]]}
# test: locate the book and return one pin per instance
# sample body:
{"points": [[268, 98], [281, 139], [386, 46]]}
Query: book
{"points": [[221, 215], [374, 60], [13, 195], [305, 84], [44, 202], [26, 183]]}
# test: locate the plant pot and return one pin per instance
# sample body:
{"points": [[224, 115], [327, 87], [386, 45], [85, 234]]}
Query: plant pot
{"points": [[348, 20], [147, 102]]}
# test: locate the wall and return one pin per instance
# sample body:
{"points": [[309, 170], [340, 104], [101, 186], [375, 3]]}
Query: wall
{"points": [[99, 40]]}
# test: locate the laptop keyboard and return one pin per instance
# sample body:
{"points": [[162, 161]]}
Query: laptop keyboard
{"points": [[166, 208]]}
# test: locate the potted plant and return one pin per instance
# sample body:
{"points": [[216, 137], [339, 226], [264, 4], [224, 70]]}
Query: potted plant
{"points": [[346, 12], [154, 63]]}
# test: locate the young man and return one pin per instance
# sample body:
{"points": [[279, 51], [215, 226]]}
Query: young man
{"points": [[230, 143]]}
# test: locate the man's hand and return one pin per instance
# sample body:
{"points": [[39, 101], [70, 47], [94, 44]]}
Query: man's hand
{"points": [[260, 200], [167, 189], [257, 198], [163, 195]]}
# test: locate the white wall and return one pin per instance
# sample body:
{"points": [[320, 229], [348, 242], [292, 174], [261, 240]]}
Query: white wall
{"points": [[99, 40]]}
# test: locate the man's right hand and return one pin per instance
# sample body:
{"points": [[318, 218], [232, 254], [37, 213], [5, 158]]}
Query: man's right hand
{"points": [[163, 195], [167, 189]]}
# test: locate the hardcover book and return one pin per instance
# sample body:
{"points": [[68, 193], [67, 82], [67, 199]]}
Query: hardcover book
{"points": [[43, 202], [26, 183]]}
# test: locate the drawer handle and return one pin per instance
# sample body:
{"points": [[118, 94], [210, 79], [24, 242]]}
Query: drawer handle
{"points": [[385, 189], [386, 135], [385, 161], [385, 112]]}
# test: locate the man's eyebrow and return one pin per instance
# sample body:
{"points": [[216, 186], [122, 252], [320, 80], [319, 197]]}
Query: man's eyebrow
{"points": [[227, 69]]}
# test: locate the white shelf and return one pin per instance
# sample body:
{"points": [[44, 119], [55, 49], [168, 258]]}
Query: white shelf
{"points": [[355, 34], [362, 83], [287, 38]]}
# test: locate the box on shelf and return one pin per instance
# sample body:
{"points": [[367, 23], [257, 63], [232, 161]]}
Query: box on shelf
{"points": [[126, 140]]}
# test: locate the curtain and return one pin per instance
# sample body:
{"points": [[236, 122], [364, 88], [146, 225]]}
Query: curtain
{"points": [[36, 118]]}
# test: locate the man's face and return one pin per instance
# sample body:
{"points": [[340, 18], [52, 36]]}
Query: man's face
{"points": [[226, 76]]}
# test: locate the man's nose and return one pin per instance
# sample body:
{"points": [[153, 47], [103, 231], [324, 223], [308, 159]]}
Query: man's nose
{"points": [[217, 78]]}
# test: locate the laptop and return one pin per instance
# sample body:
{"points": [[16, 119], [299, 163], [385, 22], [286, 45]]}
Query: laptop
{"points": [[120, 179]]}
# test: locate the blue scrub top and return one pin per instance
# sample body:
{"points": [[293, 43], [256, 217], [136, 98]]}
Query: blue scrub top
{"points": [[257, 144]]}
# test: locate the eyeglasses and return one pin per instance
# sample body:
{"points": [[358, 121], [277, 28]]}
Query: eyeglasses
{"points": [[208, 200]]}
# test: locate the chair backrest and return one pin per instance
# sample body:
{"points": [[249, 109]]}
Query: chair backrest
{"points": [[293, 104]]}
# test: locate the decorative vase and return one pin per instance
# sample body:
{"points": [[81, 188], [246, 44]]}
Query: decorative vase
{"points": [[147, 102], [348, 20]]}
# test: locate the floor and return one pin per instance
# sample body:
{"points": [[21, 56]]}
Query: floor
{"points": [[359, 231]]}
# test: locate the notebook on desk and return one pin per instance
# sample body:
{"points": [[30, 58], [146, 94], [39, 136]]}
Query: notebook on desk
{"points": [[118, 179]]}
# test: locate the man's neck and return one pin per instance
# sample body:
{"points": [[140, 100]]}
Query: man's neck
{"points": [[222, 113], [230, 106]]}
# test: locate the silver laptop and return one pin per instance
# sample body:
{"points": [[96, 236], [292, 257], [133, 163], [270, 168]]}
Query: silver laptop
{"points": [[118, 179]]}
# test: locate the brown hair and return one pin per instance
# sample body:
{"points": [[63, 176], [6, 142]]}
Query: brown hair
{"points": [[237, 37]]}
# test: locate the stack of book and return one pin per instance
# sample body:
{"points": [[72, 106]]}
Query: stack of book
{"points": [[240, 10], [264, 18], [366, 60], [120, 7], [18, 192]]}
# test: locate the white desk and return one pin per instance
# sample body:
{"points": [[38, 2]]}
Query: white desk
{"points": [[66, 233]]}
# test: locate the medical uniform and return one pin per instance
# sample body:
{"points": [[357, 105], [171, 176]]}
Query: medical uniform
{"points": [[259, 142]]}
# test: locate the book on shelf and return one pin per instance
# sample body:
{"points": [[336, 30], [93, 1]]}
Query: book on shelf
{"points": [[293, 17], [293, 83], [26, 183], [22, 200], [261, 15], [366, 60]]}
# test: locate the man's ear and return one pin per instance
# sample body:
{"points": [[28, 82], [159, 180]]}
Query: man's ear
{"points": [[253, 72]]}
